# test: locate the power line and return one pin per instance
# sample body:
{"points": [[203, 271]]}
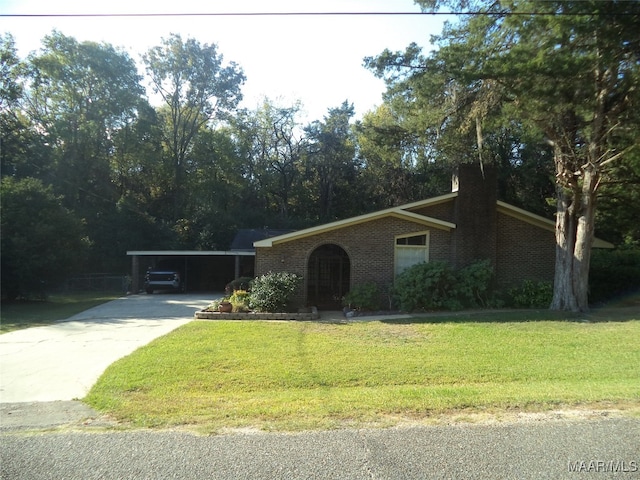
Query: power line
{"points": [[305, 14], [221, 14]]}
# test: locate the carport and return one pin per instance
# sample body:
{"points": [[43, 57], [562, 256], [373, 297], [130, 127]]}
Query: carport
{"points": [[201, 270]]}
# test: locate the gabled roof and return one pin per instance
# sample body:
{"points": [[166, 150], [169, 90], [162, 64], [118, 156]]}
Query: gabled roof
{"points": [[541, 222], [397, 212], [405, 212]]}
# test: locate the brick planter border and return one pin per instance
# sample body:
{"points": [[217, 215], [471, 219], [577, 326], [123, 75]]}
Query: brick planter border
{"points": [[203, 315]]}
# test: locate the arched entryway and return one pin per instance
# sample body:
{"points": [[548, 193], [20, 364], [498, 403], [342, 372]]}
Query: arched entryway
{"points": [[329, 273]]}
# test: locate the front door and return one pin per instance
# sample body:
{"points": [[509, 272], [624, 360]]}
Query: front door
{"points": [[329, 273]]}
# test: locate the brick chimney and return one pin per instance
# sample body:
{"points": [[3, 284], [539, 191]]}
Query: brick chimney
{"points": [[475, 214]]}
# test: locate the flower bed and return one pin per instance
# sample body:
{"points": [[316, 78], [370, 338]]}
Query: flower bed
{"points": [[208, 315]]}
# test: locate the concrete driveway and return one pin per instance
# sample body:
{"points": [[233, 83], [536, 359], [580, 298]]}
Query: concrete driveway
{"points": [[62, 361]]}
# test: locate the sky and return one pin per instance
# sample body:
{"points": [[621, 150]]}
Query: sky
{"points": [[316, 60]]}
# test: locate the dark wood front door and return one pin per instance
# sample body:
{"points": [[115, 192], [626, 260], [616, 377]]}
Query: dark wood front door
{"points": [[329, 276]]}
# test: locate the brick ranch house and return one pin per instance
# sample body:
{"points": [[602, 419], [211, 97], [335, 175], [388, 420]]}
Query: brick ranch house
{"points": [[460, 227]]}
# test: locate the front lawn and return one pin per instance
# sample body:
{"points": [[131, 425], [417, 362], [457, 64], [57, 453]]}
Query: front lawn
{"points": [[306, 375]]}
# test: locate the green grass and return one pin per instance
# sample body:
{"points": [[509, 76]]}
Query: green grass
{"points": [[292, 376], [23, 314]]}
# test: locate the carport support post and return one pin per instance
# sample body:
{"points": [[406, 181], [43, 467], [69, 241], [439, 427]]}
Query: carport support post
{"points": [[135, 276]]}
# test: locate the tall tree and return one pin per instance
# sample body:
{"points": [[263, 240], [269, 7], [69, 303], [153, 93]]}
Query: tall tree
{"points": [[19, 145], [219, 191], [196, 88], [392, 170], [275, 144], [79, 95], [41, 241], [10, 93], [568, 68], [331, 162]]}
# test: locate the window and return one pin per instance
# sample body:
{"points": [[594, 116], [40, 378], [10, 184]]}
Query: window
{"points": [[410, 250]]}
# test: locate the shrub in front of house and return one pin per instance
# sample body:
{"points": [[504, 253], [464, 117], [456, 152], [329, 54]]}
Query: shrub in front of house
{"points": [[241, 283], [365, 297], [426, 286], [614, 273], [274, 291], [531, 294], [240, 301], [437, 286], [473, 286]]}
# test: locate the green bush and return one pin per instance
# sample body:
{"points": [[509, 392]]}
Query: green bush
{"points": [[474, 284], [531, 294], [425, 286], [613, 273], [363, 297], [240, 301], [241, 283], [437, 286], [273, 291]]}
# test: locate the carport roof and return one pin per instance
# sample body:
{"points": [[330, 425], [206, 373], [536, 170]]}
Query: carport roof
{"points": [[188, 253]]}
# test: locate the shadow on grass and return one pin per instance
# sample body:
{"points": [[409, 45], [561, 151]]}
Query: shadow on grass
{"points": [[25, 314], [620, 310]]}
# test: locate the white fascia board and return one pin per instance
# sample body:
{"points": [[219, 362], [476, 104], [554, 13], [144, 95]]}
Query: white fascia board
{"points": [[541, 222], [395, 212], [526, 216], [429, 201]]}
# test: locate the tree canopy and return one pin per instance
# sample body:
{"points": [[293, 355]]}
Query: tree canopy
{"points": [[564, 73], [164, 158]]}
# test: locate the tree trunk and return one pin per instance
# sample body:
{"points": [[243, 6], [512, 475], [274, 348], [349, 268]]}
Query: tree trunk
{"points": [[563, 292], [584, 237], [575, 221]]}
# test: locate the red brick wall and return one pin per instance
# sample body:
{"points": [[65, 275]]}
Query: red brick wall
{"points": [[524, 252], [441, 211], [475, 236], [370, 247]]}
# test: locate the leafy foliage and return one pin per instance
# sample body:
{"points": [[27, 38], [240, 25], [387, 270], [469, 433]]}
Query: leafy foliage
{"points": [[196, 88], [41, 241], [331, 151], [240, 300], [363, 297], [531, 294], [474, 283], [614, 273], [562, 70], [189, 173], [241, 283], [274, 291], [426, 286], [437, 286]]}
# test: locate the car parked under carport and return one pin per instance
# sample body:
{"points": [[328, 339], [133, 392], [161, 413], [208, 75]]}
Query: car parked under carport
{"points": [[163, 280], [199, 271]]}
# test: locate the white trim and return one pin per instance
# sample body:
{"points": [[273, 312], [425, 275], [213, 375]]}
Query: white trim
{"points": [[541, 222], [526, 216], [397, 212], [429, 201]]}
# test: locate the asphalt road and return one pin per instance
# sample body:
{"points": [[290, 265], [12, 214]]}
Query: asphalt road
{"points": [[603, 449]]}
